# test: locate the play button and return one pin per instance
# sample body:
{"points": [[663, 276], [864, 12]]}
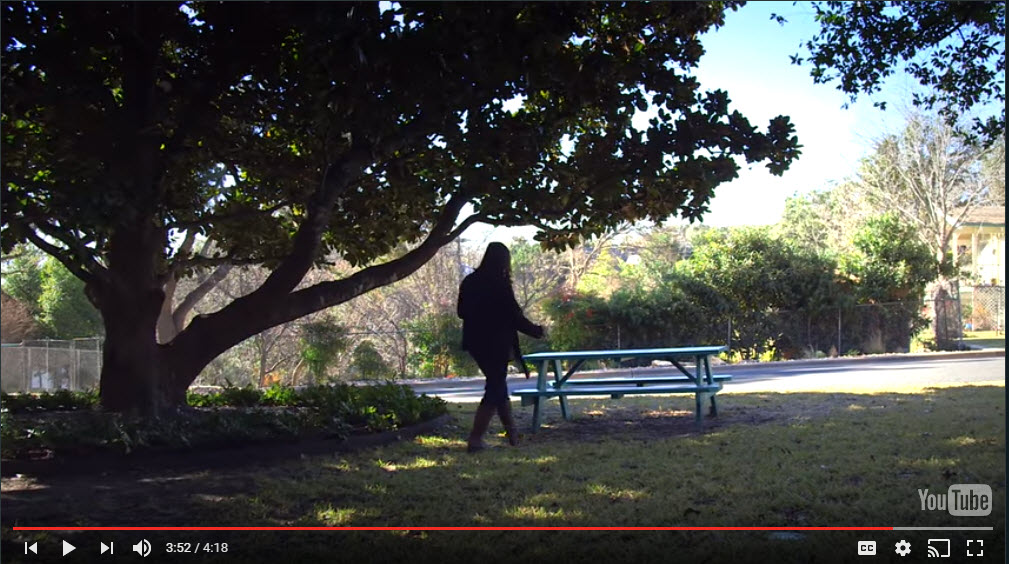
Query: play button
{"points": [[68, 548]]}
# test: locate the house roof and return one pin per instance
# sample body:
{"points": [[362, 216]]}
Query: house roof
{"points": [[986, 215]]}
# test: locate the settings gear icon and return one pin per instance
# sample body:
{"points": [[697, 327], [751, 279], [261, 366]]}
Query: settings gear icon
{"points": [[903, 547]]}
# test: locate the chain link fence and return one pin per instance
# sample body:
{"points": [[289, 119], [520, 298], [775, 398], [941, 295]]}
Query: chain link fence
{"points": [[48, 365], [984, 308]]}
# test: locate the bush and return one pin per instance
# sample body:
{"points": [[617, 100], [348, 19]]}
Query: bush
{"points": [[279, 395], [392, 406], [437, 339], [30, 424], [98, 431], [577, 321], [60, 400]]}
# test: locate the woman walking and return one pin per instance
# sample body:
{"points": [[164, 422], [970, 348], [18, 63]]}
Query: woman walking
{"points": [[490, 318]]}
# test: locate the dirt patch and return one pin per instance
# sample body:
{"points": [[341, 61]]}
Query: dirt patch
{"points": [[611, 419]]}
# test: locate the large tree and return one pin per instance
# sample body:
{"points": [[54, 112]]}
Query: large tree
{"points": [[955, 50], [291, 131], [930, 176], [823, 221]]}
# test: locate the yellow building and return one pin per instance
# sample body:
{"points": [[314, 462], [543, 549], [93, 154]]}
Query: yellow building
{"points": [[979, 246]]}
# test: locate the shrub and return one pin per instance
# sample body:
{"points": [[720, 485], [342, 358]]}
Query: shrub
{"points": [[60, 400], [234, 414], [279, 395], [437, 339]]}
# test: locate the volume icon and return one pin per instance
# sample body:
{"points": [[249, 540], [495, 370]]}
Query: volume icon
{"points": [[143, 548]]}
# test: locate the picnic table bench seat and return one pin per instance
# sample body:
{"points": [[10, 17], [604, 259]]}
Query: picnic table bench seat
{"points": [[636, 380], [530, 396]]}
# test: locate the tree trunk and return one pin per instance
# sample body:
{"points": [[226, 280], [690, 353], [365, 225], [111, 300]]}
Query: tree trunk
{"points": [[137, 374]]}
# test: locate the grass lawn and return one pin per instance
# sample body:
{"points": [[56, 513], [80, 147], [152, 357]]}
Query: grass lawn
{"points": [[987, 339], [788, 460]]}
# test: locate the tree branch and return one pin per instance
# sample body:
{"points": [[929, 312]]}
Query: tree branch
{"points": [[59, 254], [465, 225], [198, 293], [236, 216]]}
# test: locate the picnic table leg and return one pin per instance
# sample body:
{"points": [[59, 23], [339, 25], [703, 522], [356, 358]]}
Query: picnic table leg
{"points": [[564, 400], [536, 413], [698, 402], [541, 385], [707, 372]]}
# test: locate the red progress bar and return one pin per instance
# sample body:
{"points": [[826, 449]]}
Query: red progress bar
{"points": [[453, 528]]}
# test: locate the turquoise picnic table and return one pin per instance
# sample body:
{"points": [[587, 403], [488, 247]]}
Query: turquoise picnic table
{"points": [[698, 381]]}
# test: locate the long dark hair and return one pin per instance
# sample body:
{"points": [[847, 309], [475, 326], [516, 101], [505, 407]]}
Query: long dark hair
{"points": [[497, 262]]}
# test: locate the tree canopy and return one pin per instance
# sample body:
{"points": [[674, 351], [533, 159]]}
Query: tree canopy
{"points": [[955, 50], [288, 132]]}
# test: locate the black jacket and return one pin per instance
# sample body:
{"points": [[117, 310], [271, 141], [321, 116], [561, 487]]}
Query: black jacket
{"points": [[490, 317]]}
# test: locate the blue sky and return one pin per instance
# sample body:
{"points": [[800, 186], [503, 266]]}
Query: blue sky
{"points": [[748, 57]]}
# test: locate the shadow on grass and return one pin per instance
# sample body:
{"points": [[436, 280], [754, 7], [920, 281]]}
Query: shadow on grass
{"points": [[783, 460]]}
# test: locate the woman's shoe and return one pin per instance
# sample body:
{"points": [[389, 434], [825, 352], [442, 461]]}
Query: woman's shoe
{"points": [[476, 447], [504, 412], [481, 421]]}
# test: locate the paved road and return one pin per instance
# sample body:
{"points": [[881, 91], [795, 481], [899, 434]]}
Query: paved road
{"points": [[904, 373]]}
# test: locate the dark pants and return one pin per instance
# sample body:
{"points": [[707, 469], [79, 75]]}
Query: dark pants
{"points": [[496, 389]]}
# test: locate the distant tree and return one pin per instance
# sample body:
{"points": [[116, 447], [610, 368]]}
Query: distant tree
{"points": [[52, 296], [22, 276], [63, 308], [321, 342], [536, 273], [662, 247], [956, 51], [928, 175], [368, 362], [890, 262], [889, 265], [383, 316], [993, 171], [16, 321], [823, 221], [756, 271], [757, 278]]}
